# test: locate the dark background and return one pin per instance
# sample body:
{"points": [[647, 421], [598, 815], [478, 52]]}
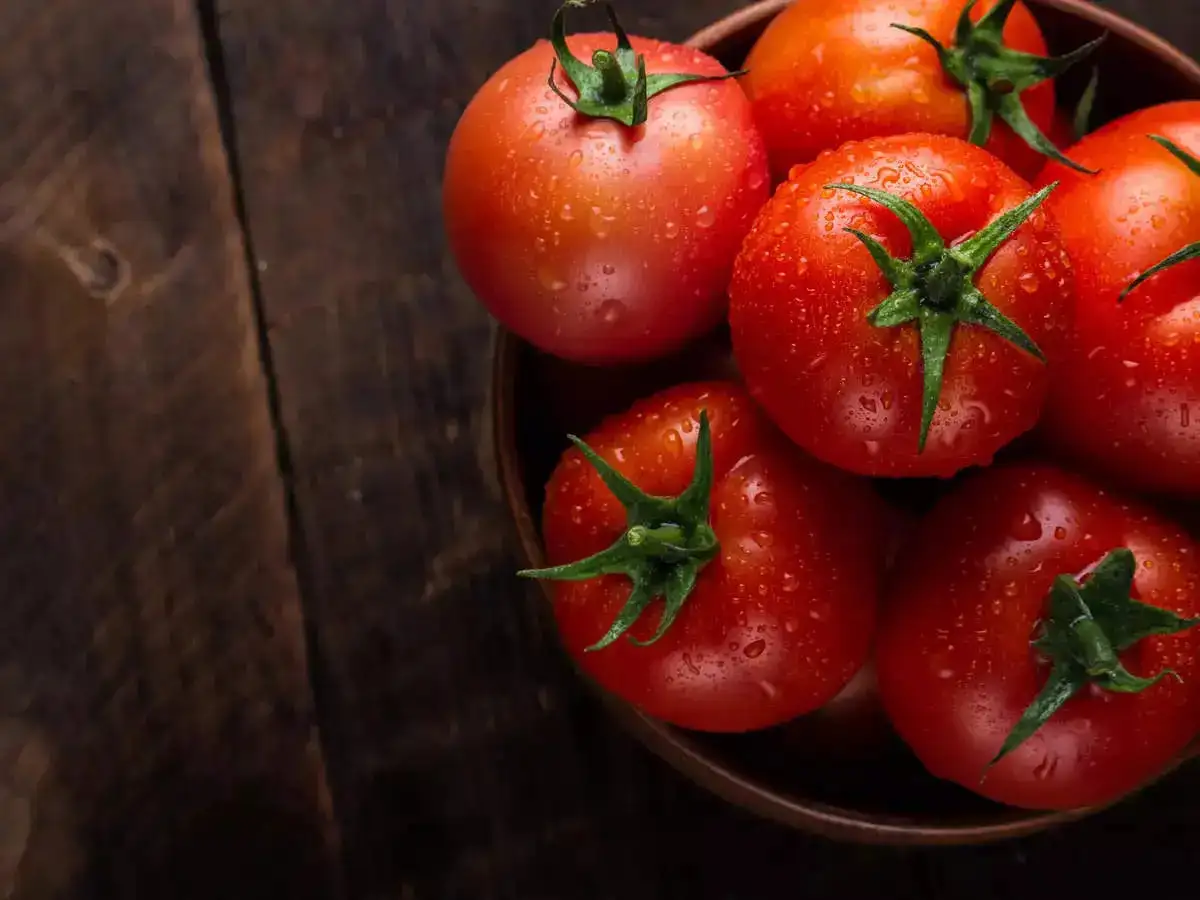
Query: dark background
{"points": [[259, 635]]}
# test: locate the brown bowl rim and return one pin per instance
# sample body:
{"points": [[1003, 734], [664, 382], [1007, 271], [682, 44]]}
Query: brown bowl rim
{"points": [[675, 747]]}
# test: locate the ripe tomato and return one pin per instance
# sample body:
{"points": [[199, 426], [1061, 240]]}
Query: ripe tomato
{"points": [[980, 580], [829, 71], [1127, 399], [811, 326], [779, 548], [596, 240]]}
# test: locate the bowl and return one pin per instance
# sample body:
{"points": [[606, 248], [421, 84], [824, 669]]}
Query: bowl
{"points": [[838, 772]]}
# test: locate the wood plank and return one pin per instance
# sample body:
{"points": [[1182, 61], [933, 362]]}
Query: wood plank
{"points": [[465, 758], [156, 723]]}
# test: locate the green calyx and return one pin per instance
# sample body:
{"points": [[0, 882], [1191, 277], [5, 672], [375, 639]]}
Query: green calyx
{"points": [[615, 86], [994, 76], [1088, 625], [1192, 251], [667, 541], [936, 289]]}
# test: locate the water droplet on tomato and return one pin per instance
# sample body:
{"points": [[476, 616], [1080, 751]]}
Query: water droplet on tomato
{"points": [[577, 514], [754, 649], [599, 223], [611, 311], [705, 217], [575, 160], [791, 582], [769, 689], [550, 279], [763, 539], [1185, 415], [696, 141], [1028, 282], [502, 86], [791, 626], [1060, 533], [671, 230], [873, 447], [868, 403], [1027, 528], [566, 213], [757, 179]]}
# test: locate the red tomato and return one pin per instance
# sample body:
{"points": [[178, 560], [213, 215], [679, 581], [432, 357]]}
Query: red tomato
{"points": [[858, 395], [596, 241], [954, 656], [1126, 401], [778, 622], [830, 71]]}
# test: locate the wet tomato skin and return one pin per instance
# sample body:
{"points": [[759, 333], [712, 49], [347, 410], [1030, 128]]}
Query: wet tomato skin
{"points": [[830, 71], [1127, 400], [955, 665], [779, 622], [850, 393], [594, 241]]}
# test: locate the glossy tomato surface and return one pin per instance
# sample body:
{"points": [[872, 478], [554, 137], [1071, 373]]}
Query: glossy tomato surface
{"points": [[830, 71], [1127, 400], [595, 241], [955, 663], [778, 623], [850, 393]]}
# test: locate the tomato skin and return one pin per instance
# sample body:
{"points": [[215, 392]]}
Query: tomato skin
{"points": [[778, 623], [956, 669], [830, 71], [850, 393], [1127, 399], [593, 241]]}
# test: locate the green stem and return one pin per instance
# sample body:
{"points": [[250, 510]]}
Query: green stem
{"points": [[666, 543], [935, 289], [993, 76], [1088, 624], [613, 87]]}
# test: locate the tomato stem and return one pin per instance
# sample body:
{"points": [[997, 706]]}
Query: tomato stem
{"points": [[613, 88], [935, 288], [667, 542], [616, 85], [994, 76], [1185, 254], [1088, 625]]}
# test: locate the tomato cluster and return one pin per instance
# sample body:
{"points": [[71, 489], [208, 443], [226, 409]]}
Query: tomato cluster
{"points": [[914, 275]]}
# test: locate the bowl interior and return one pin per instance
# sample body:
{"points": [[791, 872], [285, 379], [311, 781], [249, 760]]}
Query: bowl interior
{"points": [[840, 771]]}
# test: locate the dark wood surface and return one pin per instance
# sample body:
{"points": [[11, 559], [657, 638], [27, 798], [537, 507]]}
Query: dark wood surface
{"points": [[162, 715]]}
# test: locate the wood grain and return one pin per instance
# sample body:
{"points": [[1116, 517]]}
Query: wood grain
{"points": [[465, 760], [156, 724]]}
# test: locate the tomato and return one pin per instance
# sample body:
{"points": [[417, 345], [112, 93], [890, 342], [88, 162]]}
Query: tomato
{"points": [[848, 361], [596, 240], [980, 579], [829, 71], [1126, 401], [780, 549]]}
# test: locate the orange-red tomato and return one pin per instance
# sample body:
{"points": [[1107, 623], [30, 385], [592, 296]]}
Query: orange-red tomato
{"points": [[830, 71], [970, 592], [851, 392], [596, 241], [778, 622], [1127, 398]]}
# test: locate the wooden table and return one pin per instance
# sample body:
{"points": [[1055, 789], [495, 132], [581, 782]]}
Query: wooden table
{"points": [[259, 635]]}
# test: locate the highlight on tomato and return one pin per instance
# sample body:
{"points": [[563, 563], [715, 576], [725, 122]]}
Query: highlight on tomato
{"points": [[1126, 402], [830, 71], [894, 306], [705, 570], [596, 209], [1037, 643]]}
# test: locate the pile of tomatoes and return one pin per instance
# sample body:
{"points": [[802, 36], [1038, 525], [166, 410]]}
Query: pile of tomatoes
{"points": [[918, 264]]}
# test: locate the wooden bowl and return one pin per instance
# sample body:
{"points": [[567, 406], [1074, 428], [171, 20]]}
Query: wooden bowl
{"points": [[839, 772]]}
